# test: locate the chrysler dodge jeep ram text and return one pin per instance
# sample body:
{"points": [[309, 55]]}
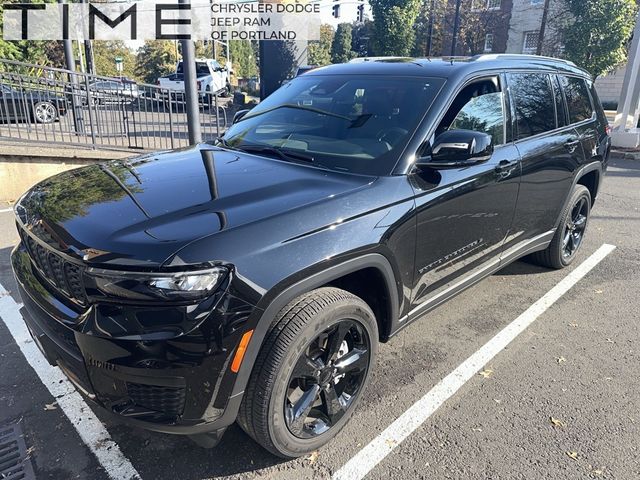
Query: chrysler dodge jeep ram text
{"points": [[251, 280]]}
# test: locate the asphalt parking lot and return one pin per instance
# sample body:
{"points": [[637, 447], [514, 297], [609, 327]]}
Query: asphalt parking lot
{"points": [[561, 401]]}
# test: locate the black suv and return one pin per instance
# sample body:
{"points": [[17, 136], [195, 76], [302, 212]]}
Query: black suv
{"points": [[253, 279]]}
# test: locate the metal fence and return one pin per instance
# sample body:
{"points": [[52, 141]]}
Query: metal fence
{"points": [[53, 105]]}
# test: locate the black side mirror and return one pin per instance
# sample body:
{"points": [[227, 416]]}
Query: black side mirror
{"points": [[456, 149], [239, 114]]}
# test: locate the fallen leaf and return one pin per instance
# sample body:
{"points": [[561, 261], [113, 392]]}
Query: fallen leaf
{"points": [[572, 455], [486, 373], [497, 400], [50, 406], [313, 457], [560, 360], [391, 443], [476, 429], [610, 341], [557, 423], [573, 324], [598, 291]]}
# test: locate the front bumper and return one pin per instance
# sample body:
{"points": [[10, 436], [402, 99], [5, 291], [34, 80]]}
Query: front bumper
{"points": [[178, 383]]}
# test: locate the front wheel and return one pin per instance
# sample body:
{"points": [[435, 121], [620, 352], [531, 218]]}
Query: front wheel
{"points": [[310, 373], [44, 112], [570, 233]]}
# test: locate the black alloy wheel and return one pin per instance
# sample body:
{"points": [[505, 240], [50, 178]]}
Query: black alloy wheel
{"points": [[326, 379], [310, 373], [570, 233], [575, 227]]}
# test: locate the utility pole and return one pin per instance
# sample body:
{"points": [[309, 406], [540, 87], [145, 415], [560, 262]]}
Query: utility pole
{"points": [[432, 14], [456, 26], [88, 54], [191, 89], [543, 27], [70, 61]]}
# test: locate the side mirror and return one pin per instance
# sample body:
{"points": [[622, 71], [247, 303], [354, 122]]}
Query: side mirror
{"points": [[239, 114], [458, 148]]}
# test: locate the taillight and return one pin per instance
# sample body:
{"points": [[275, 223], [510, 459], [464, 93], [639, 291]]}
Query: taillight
{"points": [[608, 130]]}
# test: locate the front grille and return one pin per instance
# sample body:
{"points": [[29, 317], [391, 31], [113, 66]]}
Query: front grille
{"points": [[168, 400], [65, 276]]}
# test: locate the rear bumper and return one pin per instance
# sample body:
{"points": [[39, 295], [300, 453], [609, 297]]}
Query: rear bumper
{"points": [[179, 384]]}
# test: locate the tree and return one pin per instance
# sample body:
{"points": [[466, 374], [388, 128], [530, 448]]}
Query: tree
{"points": [[105, 53], [597, 39], [361, 38], [155, 59], [319, 52], [393, 26], [243, 59], [341, 45]]}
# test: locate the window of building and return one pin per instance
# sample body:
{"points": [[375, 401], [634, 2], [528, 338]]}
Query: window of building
{"points": [[531, 42], [478, 5], [578, 100], [534, 103], [488, 43]]}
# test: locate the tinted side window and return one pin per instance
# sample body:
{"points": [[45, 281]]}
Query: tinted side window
{"points": [[478, 107], [560, 107], [578, 100], [533, 102]]}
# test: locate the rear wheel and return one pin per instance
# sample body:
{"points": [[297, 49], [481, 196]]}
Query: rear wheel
{"points": [[310, 373], [570, 233]]}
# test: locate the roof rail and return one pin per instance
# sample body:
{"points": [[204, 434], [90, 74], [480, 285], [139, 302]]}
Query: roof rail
{"points": [[517, 56]]}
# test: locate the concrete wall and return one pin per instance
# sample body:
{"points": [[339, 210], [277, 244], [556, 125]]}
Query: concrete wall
{"points": [[23, 166], [609, 87]]}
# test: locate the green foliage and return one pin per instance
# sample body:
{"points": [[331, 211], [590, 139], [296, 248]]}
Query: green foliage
{"points": [[341, 45], [155, 59], [105, 53], [319, 52], [30, 51], [597, 40], [243, 59], [393, 26], [361, 38]]}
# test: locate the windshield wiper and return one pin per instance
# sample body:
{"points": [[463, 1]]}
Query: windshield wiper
{"points": [[298, 107], [287, 155]]}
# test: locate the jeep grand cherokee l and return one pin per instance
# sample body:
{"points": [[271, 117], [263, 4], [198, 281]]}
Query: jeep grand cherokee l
{"points": [[253, 279]]}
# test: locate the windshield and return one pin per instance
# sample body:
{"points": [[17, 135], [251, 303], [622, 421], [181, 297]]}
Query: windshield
{"points": [[355, 123]]}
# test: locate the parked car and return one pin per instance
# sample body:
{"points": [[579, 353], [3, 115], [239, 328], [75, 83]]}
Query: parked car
{"points": [[113, 91], [30, 105], [345, 206], [211, 76]]}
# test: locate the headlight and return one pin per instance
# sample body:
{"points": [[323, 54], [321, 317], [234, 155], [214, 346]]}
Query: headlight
{"points": [[179, 286]]}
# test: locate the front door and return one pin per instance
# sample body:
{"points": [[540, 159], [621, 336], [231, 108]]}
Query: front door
{"points": [[464, 214]]}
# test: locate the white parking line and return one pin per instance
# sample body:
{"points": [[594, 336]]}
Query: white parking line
{"points": [[381, 446], [91, 430], [6, 210]]}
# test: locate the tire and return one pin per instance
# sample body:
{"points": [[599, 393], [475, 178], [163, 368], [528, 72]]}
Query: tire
{"points": [[297, 330], [557, 255], [45, 112]]}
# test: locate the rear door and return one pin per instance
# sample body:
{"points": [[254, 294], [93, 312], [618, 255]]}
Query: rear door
{"points": [[550, 152]]}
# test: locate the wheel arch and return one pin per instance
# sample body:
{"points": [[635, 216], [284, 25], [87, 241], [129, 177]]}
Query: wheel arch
{"points": [[592, 174], [346, 273]]}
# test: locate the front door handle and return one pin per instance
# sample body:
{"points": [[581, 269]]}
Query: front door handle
{"points": [[571, 146], [506, 166]]}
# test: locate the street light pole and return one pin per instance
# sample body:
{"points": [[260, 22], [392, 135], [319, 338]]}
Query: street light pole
{"points": [[191, 89], [456, 26]]}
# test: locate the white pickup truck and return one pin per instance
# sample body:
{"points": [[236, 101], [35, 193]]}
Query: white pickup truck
{"points": [[212, 78]]}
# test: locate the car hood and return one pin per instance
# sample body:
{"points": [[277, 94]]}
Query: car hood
{"points": [[143, 210]]}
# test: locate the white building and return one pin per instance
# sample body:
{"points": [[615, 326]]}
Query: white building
{"points": [[524, 27], [334, 12]]}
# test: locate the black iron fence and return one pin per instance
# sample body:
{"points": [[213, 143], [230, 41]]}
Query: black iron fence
{"points": [[53, 105]]}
